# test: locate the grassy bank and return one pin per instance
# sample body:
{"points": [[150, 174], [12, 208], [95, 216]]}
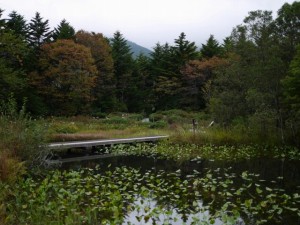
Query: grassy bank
{"points": [[176, 123]]}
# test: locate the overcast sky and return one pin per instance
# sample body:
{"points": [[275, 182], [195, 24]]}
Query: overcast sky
{"points": [[146, 22]]}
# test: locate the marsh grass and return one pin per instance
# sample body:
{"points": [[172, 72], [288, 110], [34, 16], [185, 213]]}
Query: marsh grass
{"points": [[88, 128], [221, 136], [21, 137], [176, 123]]}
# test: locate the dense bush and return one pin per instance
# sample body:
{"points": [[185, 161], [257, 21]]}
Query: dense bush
{"points": [[158, 124], [21, 137]]}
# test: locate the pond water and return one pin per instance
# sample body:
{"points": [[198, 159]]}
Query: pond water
{"points": [[218, 192], [284, 173]]}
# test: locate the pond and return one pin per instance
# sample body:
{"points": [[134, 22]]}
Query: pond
{"points": [[149, 189], [268, 178]]}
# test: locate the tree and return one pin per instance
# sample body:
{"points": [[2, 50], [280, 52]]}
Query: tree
{"points": [[267, 67], [197, 78], [288, 28], [66, 78], [2, 21], [13, 52], [291, 84], [249, 88], [166, 65], [39, 31], [164, 73], [63, 31], [211, 48], [140, 93], [184, 50], [123, 67], [228, 92], [291, 87], [17, 24], [104, 90]]}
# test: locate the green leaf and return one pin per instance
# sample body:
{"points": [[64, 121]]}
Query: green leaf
{"points": [[258, 190]]}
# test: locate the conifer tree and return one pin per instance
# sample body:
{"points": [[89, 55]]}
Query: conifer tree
{"points": [[17, 24], [184, 50], [64, 31], [123, 67], [39, 31], [2, 21], [211, 48]]}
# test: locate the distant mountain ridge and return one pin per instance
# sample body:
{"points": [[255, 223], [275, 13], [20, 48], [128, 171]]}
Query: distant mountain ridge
{"points": [[137, 49]]}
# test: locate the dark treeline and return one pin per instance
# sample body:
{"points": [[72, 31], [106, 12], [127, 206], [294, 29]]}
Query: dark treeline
{"points": [[253, 77]]}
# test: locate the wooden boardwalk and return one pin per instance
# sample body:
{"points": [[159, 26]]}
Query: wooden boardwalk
{"points": [[107, 142]]}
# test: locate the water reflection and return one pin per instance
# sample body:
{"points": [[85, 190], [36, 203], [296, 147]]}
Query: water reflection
{"points": [[146, 206], [284, 173], [273, 173]]}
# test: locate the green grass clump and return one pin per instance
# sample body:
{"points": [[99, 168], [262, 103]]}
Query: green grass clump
{"points": [[21, 137], [64, 128]]}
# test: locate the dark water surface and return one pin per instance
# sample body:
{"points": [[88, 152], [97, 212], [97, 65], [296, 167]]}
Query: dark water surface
{"points": [[286, 173], [280, 174]]}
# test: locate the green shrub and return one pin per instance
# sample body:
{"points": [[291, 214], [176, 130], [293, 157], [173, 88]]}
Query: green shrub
{"points": [[116, 120], [158, 124], [100, 115], [156, 117], [135, 116], [20, 136]]}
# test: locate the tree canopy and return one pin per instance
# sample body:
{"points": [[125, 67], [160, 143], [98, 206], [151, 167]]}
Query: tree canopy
{"points": [[251, 78]]}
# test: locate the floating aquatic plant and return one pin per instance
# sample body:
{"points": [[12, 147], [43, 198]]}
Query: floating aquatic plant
{"points": [[130, 196]]}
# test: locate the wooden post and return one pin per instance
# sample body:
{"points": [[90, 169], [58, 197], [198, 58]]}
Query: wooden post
{"points": [[194, 126]]}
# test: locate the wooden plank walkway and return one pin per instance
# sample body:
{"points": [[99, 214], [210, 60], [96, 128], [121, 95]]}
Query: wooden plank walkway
{"points": [[94, 143]]}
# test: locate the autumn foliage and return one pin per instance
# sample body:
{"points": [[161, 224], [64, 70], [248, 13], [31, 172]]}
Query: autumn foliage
{"points": [[66, 77]]}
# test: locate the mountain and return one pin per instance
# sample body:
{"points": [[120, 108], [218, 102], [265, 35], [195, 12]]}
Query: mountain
{"points": [[137, 49]]}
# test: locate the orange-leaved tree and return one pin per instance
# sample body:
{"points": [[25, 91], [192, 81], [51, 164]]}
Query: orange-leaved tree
{"points": [[104, 90], [196, 81], [65, 78]]}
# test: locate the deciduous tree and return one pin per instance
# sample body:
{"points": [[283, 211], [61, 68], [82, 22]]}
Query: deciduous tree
{"points": [[66, 78], [13, 52], [288, 28], [105, 88]]}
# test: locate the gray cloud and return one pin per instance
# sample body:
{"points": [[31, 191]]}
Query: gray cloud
{"points": [[147, 22]]}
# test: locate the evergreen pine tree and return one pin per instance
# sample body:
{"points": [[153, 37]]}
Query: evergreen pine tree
{"points": [[184, 50], [39, 31], [17, 24], [211, 48], [2, 21], [123, 67], [64, 31]]}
